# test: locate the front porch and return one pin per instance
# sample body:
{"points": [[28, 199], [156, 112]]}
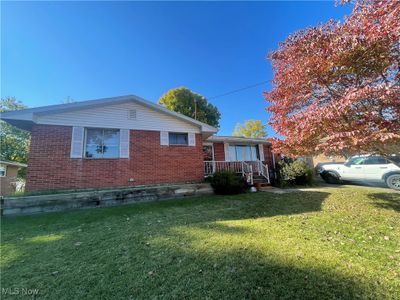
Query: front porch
{"points": [[248, 169], [249, 157]]}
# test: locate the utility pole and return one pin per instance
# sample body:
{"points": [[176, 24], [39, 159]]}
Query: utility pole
{"points": [[195, 108]]}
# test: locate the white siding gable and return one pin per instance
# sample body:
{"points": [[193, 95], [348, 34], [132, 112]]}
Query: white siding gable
{"points": [[117, 116]]}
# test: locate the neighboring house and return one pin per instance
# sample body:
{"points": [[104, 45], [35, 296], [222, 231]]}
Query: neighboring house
{"points": [[125, 141], [8, 176]]}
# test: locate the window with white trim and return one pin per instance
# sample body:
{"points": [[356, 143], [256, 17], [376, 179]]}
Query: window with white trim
{"points": [[3, 170], [177, 138], [102, 143]]}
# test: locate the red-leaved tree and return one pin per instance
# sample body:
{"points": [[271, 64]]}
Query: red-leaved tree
{"points": [[336, 87]]}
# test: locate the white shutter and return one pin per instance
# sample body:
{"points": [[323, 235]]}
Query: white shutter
{"points": [[124, 143], [164, 138], [261, 151], [226, 149], [192, 139], [77, 142]]}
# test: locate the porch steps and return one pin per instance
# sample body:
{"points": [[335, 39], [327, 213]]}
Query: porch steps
{"points": [[261, 180]]}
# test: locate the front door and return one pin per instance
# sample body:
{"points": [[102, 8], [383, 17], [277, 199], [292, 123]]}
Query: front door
{"points": [[208, 157], [208, 153]]}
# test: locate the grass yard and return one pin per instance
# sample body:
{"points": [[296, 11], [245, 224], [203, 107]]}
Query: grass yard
{"points": [[331, 243]]}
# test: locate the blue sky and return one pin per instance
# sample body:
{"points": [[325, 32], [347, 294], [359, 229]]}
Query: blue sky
{"points": [[88, 50]]}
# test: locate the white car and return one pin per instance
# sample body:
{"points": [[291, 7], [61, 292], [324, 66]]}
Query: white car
{"points": [[363, 168]]}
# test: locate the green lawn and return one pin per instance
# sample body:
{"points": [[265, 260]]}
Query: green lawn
{"points": [[341, 243]]}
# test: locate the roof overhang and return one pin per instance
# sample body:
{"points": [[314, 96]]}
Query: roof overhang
{"points": [[13, 163], [25, 118], [237, 139]]}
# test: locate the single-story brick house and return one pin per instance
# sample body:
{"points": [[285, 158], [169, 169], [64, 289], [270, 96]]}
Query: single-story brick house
{"points": [[125, 141]]}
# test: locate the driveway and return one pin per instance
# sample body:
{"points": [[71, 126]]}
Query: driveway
{"points": [[321, 185]]}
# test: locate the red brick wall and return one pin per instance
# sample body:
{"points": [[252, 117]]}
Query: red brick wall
{"points": [[268, 156], [219, 151], [50, 166]]}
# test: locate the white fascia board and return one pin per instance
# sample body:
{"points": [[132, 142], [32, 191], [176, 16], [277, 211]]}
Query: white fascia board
{"points": [[13, 163], [17, 115], [233, 139]]}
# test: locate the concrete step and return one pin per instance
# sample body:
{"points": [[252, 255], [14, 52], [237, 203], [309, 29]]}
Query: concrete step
{"points": [[260, 180], [259, 176], [266, 187], [262, 184]]}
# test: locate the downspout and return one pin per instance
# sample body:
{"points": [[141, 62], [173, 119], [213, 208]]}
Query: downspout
{"points": [[273, 162]]}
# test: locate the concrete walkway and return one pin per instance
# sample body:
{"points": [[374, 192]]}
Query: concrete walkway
{"points": [[319, 187], [276, 190]]}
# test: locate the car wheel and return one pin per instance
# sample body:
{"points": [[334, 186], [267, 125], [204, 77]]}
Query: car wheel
{"points": [[393, 181], [330, 177]]}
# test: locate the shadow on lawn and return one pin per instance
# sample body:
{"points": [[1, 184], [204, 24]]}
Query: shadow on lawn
{"points": [[188, 274], [249, 274], [386, 200], [121, 263]]}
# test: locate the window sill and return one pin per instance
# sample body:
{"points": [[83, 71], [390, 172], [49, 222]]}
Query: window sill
{"points": [[103, 158]]}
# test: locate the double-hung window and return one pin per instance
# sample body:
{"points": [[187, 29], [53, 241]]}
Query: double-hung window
{"points": [[176, 138], [102, 143]]}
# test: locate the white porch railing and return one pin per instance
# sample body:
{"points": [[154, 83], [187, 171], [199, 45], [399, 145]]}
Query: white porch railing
{"points": [[265, 171], [239, 167], [256, 166], [210, 167], [260, 169], [245, 168]]}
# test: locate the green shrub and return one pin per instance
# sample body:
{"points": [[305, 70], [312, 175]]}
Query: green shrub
{"points": [[297, 172], [228, 183]]}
